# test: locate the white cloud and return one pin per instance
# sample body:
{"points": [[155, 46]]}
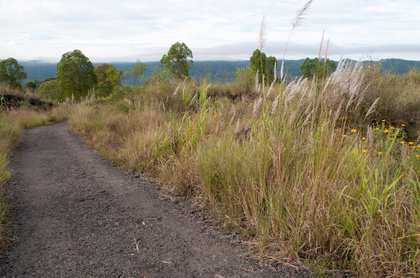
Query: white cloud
{"points": [[110, 30]]}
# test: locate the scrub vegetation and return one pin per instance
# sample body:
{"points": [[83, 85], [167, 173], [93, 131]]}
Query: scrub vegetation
{"points": [[322, 169]]}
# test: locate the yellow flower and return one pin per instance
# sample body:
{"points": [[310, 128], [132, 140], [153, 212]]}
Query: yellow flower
{"points": [[379, 152], [344, 135], [353, 130], [417, 155], [402, 142], [392, 134], [403, 125], [386, 131], [377, 128], [410, 143], [364, 151], [392, 127], [363, 138], [383, 120]]}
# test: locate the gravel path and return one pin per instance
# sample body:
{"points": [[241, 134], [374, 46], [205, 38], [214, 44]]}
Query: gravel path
{"points": [[74, 215]]}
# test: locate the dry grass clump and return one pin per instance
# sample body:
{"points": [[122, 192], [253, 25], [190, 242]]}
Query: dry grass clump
{"points": [[113, 131], [300, 169], [29, 118], [232, 91], [28, 92]]}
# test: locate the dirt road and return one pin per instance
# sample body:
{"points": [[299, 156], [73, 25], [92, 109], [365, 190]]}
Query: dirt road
{"points": [[75, 215]]}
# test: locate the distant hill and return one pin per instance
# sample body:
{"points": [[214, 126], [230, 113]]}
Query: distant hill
{"points": [[399, 66], [218, 71]]}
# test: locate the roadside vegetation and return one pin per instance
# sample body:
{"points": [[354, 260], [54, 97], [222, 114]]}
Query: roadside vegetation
{"points": [[325, 171], [322, 169]]}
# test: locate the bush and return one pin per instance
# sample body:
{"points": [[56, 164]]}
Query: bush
{"points": [[51, 90]]}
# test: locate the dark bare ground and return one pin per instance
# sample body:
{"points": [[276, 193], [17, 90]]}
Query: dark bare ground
{"points": [[75, 215]]}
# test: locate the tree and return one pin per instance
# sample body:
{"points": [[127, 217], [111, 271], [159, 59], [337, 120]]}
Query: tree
{"points": [[12, 73], [258, 64], [108, 78], [75, 74], [311, 68], [137, 70], [31, 85], [177, 60], [50, 90], [269, 69]]}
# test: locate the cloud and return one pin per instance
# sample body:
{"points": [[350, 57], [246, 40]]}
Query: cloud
{"points": [[128, 29], [242, 51]]}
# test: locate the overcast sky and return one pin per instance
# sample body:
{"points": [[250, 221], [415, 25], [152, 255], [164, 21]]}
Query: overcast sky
{"points": [[127, 30]]}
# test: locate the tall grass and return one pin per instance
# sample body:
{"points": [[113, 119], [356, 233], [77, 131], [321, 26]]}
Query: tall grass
{"points": [[302, 172]]}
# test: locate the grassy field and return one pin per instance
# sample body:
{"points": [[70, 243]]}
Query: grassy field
{"points": [[323, 171]]}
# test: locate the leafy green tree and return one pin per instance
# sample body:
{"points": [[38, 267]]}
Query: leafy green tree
{"points": [[311, 68], [12, 73], [108, 78], [31, 85], [269, 68], [75, 74], [137, 70], [177, 60], [258, 63], [50, 90]]}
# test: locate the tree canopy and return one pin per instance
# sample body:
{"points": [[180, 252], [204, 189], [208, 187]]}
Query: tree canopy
{"points": [[75, 74], [108, 78], [12, 73], [50, 90], [264, 65], [315, 68], [177, 60], [31, 85], [258, 61]]}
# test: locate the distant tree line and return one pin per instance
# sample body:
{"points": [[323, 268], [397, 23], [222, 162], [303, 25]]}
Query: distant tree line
{"points": [[76, 76]]}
